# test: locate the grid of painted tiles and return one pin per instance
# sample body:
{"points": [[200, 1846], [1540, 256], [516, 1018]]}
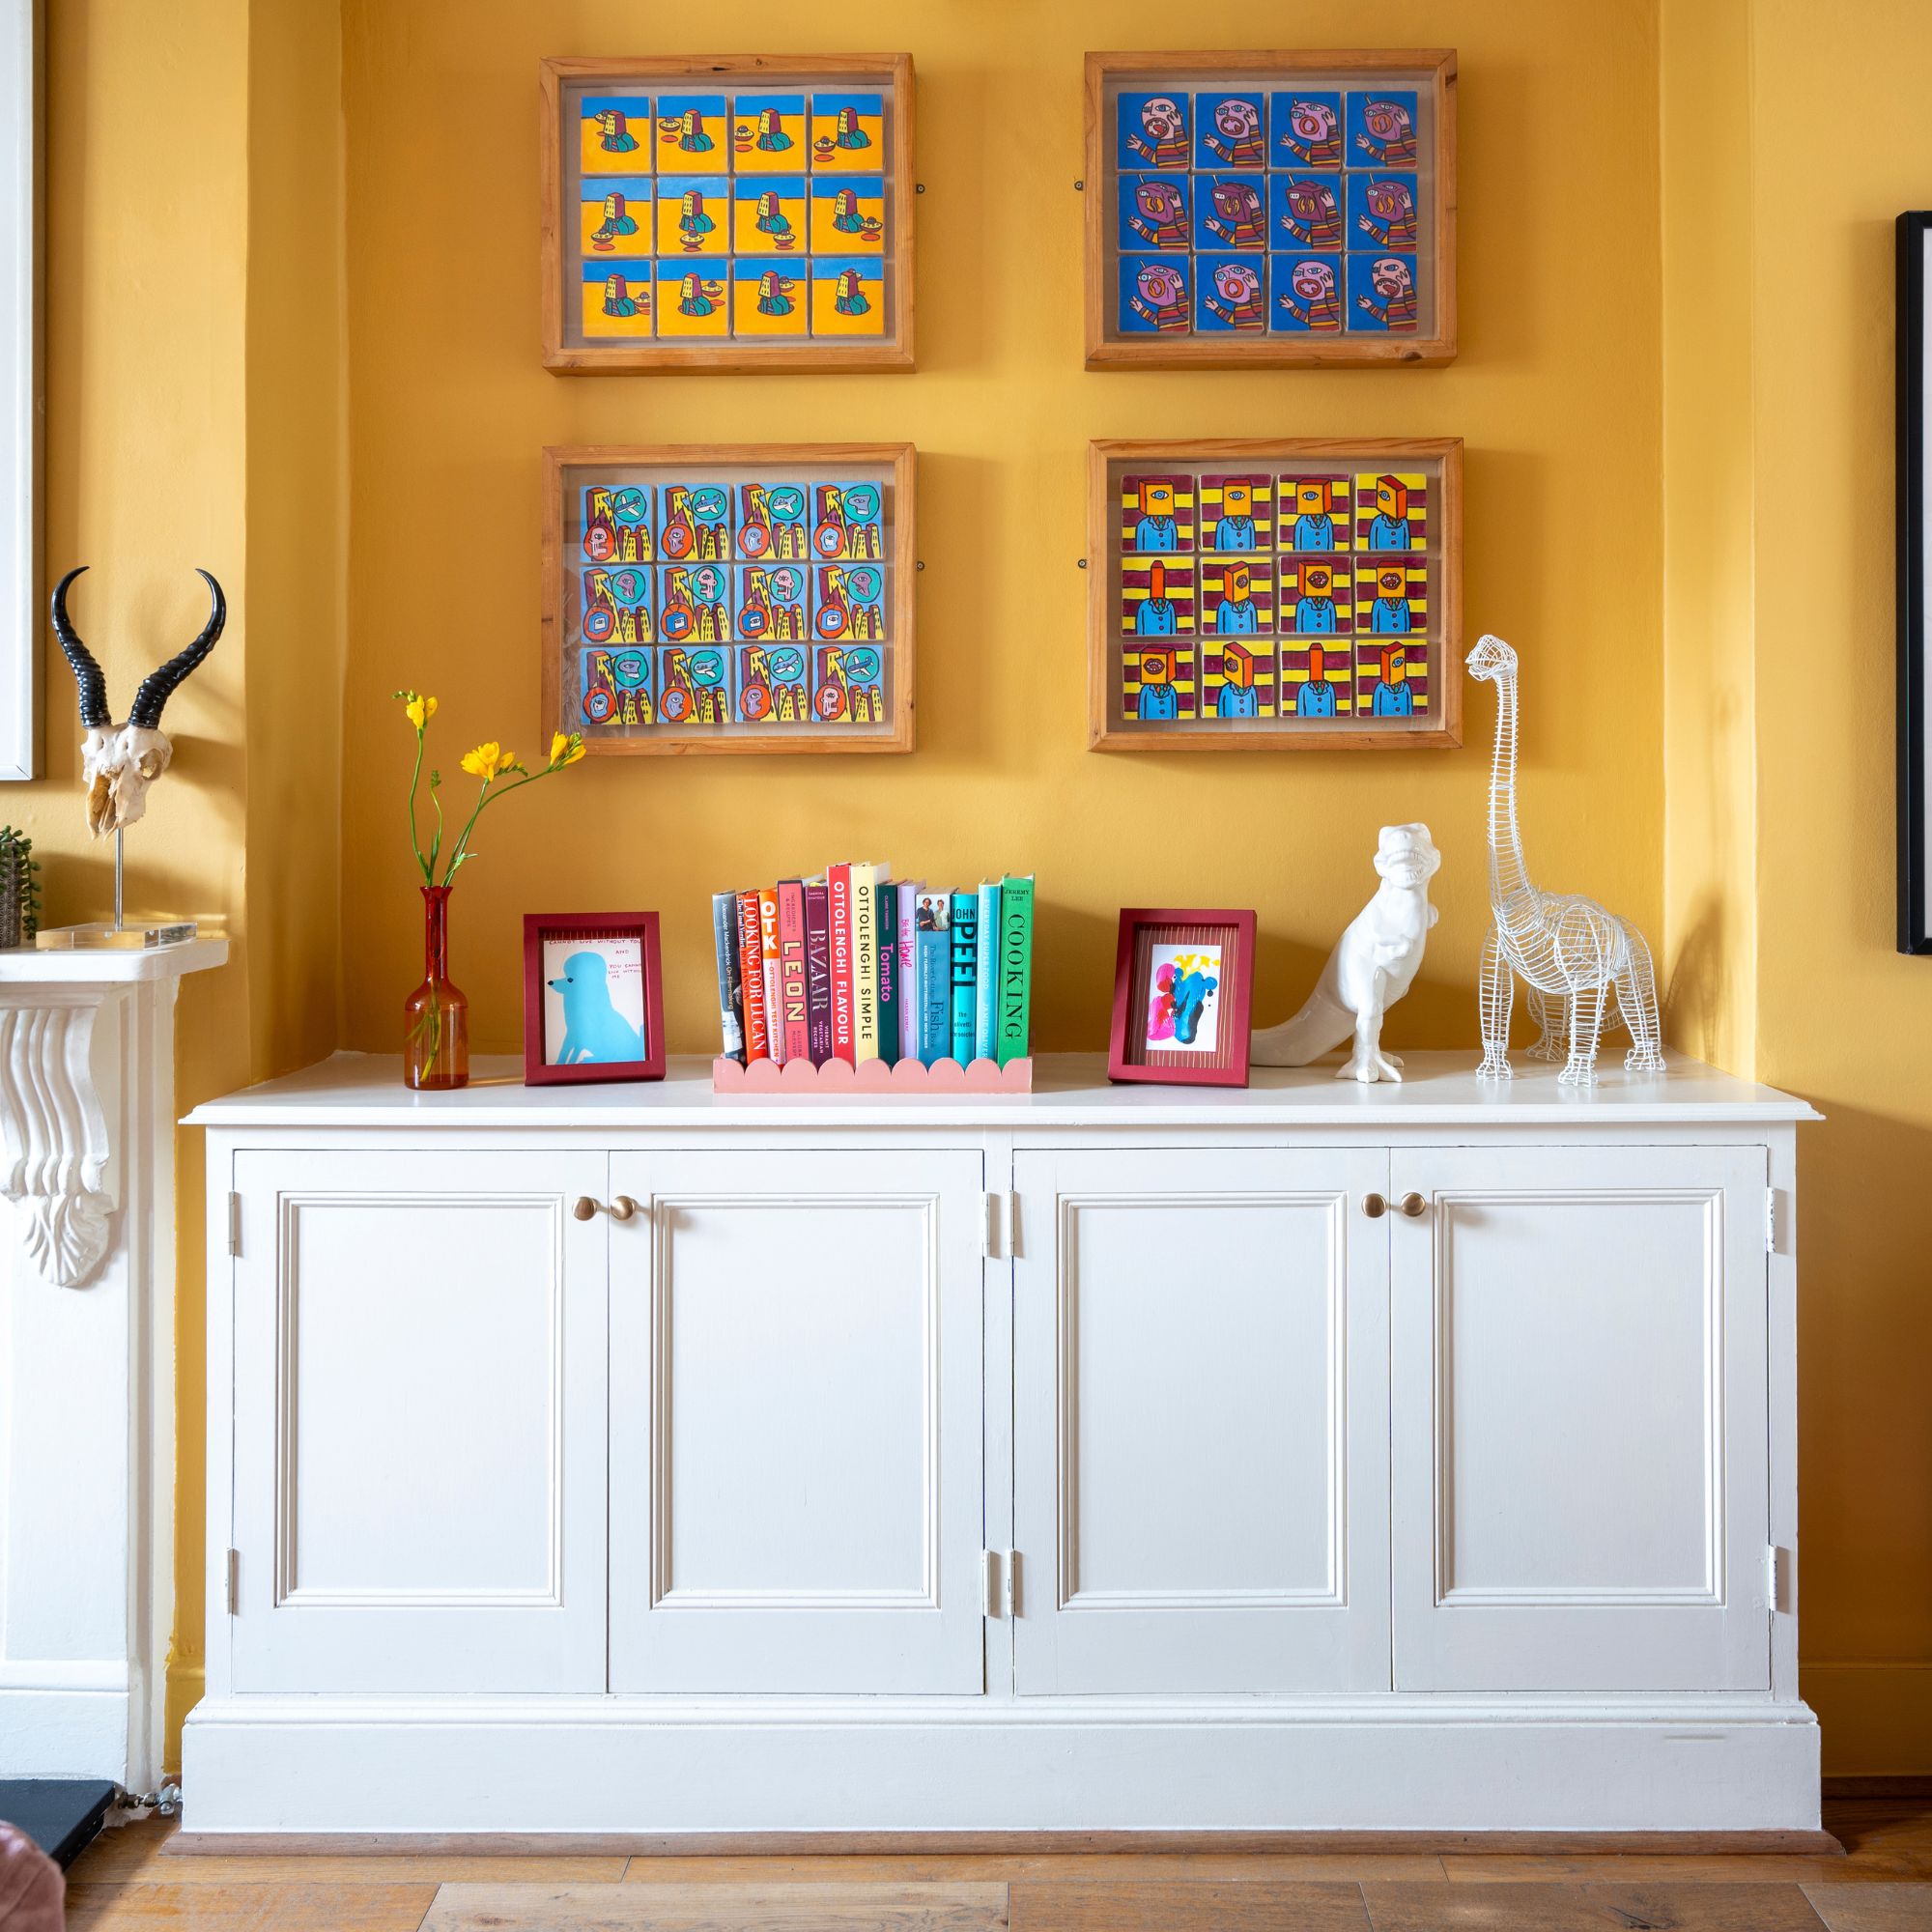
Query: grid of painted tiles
{"points": [[703, 215], [1252, 212], [1309, 593], [758, 601]]}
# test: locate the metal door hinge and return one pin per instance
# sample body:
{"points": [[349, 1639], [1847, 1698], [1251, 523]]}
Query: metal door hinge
{"points": [[234, 1224], [1771, 1220], [998, 1582], [234, 1582], [1777, 1577], [1003, 1221]]}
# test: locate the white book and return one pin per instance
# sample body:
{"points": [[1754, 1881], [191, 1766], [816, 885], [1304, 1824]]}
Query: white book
{"points": [[908, 950]]}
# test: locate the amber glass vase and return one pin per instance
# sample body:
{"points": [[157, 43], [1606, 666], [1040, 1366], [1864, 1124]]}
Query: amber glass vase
{"points": [[435, 1016]]}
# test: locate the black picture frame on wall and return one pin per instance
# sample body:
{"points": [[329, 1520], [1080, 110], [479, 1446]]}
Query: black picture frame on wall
{"points": [[1914, 540]]}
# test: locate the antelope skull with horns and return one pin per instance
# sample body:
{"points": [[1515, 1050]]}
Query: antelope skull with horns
{"points": [[121, 761]]}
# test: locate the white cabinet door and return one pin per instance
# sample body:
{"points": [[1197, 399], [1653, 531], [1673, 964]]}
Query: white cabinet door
{"points": [[796, 1495], [1580, 1462], [420, 1352], [1201, 1421]]}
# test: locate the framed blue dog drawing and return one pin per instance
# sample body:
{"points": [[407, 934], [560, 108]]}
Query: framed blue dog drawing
{"points": [[594, 998]]}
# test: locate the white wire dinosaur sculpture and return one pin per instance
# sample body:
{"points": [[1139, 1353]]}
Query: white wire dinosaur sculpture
{"points": [[1568, 950]]}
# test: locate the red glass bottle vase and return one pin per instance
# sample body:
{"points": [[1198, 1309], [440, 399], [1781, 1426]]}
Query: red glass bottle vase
{"points": [[435, 1016]]}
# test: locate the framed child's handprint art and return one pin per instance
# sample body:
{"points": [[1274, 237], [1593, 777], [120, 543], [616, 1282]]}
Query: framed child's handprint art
{"points": [[729, 597], [732, 213], [1256, 595], [1267, 209], [1183, 980]]}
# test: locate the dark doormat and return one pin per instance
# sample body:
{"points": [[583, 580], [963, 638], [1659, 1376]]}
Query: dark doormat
{"points": [[60, 1815]]}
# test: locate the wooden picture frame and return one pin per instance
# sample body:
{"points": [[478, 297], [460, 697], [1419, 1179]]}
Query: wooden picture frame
{"points": [[785, 214], [22, 615], [1360, 313], [1225, 942], [876, 705], [1912, 563], [1427, 470], [590, 1005]]}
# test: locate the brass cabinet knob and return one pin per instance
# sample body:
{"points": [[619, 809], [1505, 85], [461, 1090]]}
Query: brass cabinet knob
{"points": [[1413, 1206], [1373, 1207], [622, 1207], [585, 1208]]}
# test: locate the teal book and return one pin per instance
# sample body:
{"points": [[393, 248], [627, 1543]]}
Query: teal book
{"points": [[932, 955], [985, 975], [965, 973], [891, 992], [1015, 969]]}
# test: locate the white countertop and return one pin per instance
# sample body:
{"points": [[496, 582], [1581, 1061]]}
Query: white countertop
{"points": [[108, 965], [356, 1090]]}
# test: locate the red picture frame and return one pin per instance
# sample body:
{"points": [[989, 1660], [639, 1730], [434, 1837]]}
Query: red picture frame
{"points": [[1137, 1046], [539, 1070]]}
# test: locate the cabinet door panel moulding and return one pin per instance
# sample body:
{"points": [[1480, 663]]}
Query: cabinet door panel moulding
{"points": [[1271, 210], [739, 211]]}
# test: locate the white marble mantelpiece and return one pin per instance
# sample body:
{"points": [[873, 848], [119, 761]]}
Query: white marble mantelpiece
{"points": [[87, 1356]]}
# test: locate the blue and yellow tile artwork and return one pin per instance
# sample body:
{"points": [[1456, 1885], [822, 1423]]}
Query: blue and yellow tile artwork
{"points": [[1392, 510], [694, 523], [848, 684], [613, 216], [1391, 679], [1155, 211], [1237, 596], [692, 684], [1152, 131], [1158, 681], [694, 215], [1382, 294], [614, 134], [1317, 512], [1391, 595], [1154, 296], [1157, 596], [615, 299], [848, 295], [1230, 296], [848, 134], [616, 524], [693, 603], [692, 137], [845, 521], [1228, 130], [768, 134], [618, 686], [1317, 596], [1238, 679], [1382, 127], [768, 684], [768, 216], [618, 600], [773, 602], [1157, 514], [769, 296], [848, 601], [691, 302], [1305, 294], [1318, 679], [1305, 129], [769, 521], [848, 215], [1236, 512], [1229, 211]]}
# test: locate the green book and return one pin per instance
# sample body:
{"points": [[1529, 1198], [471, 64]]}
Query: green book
{"points": [[1015, 969], [892, 994]]}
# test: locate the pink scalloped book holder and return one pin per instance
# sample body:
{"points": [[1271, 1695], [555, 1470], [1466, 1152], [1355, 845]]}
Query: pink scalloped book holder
{"points": [[905, 1076]]}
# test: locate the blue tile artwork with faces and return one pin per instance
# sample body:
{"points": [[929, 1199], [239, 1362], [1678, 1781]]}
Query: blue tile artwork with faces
{"points": [[1322, 182]]}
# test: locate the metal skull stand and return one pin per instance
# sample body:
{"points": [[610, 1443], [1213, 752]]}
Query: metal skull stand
{"points": [[121, 761]]}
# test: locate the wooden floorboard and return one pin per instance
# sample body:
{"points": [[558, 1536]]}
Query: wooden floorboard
{"points": [[247, 1908], [718, 1908], [1108, 1868], [1256, 1905], [1533, 1907], [1872, 1907]]}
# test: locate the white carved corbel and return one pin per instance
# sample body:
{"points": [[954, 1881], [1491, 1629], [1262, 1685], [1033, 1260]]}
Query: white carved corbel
{"points": [[54, 1120]]}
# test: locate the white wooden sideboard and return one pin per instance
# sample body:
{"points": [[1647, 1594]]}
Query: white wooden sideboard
{"points": [[1315, 1457]]}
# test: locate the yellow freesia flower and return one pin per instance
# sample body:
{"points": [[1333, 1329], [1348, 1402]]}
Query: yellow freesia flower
{"points": [[420, 710], [487, 761], [565, 750]]}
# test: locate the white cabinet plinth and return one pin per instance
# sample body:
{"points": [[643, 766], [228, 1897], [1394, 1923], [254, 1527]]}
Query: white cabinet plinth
{"points": [[1309, 1458]]}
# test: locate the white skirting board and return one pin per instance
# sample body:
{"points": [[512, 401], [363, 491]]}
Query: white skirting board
{"points": [[320, 1765]]}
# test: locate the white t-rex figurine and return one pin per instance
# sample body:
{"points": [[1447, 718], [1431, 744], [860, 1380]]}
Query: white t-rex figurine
{"points": [[1373, 964]]}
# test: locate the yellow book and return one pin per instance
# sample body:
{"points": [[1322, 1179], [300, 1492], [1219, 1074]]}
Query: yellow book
{"points": [[866, 961]]}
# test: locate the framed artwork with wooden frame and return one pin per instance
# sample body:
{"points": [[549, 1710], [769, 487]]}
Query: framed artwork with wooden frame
{"points": [[594, 998], [1183, 983], [1262, 594], [1271, 209], [729, 597], [737, 212]]}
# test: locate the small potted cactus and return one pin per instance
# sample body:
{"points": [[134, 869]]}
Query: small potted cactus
{"points": [[19, 890]]}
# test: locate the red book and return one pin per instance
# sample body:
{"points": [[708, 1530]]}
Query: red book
{"points": [[838, 895], [792, 993], [752, 964]]}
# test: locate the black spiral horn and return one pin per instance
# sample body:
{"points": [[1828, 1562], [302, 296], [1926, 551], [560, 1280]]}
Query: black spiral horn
{"points": [[87, 676], [160, 684]]}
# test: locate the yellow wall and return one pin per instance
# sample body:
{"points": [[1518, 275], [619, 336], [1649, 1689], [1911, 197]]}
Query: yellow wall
{"points": [[1556, 392], [291, 247]]}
